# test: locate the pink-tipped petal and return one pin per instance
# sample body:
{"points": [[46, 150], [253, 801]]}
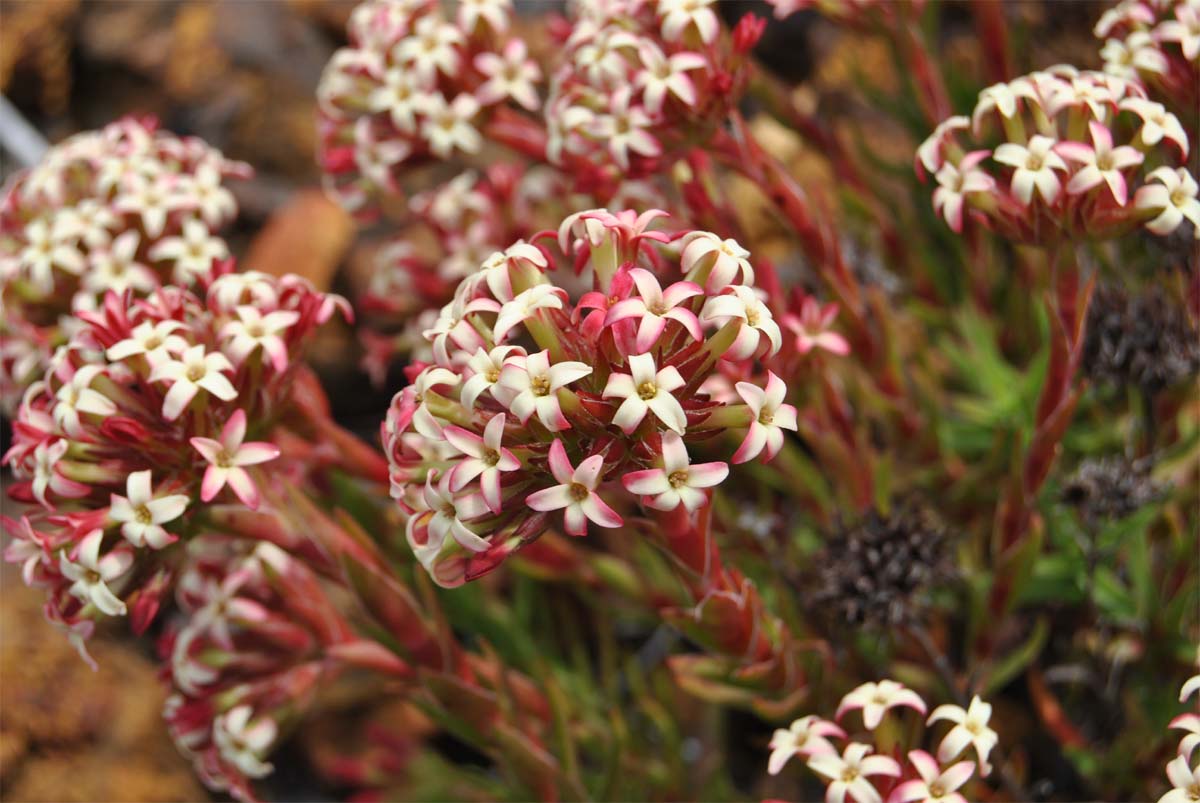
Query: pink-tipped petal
{"points": [[244, 487]]}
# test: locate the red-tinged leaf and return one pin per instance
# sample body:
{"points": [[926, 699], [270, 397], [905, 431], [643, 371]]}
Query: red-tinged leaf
{"points": [[369, 655], [395, 609], [1051, 713], [147, 600]]}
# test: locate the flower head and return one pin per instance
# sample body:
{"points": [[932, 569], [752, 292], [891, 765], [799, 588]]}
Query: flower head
{"points": [[805, 737], [678, 482], [576, 493], [142, 514], [531, 433], [849, 773], [934, 785], [970, 728], [874, 699], [228, 458]]}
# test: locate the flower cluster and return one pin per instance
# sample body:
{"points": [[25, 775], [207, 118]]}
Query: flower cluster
{"points": [[538, 401], [1185, 779], [126, 207], [471, 217], [1084, 155], [146, 413], [244, 653], [414, 84], [1155, 42], [864, 774], [640, 80]]}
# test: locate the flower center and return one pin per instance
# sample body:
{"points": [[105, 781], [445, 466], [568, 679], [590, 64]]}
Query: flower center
{"points": [[1179, 197], [752, 316], [224, 459], [195, 373], [1034, 162], [492, 375], [254, 330], [1104, 161], [849, 775], [658, 308], [153, 342], [678, 478], [879, 699], [936, 790], [142, 515], [540, 385], [578, 491], [448, 510], [491, 457], [766, 417], [92, 577], [647, 391], [972, 727]]}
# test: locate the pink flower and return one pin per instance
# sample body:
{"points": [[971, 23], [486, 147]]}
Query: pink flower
{"points": [[770, 417], [876, 698], [1173, 198], [625, 129], [664, 75], [227, 459], [444, 515], [677, 482], [1035, 165], [655, 307], [92, 573], [679, 15], [189, 373], [77, 396], [1185, 782], [970, 728], [486, 367], [155, 340], [741, 302], [935, 784], [253, 329], [1189, 723], [811, 328], [141, 514], [805, 737], [715, 262], [510, 75], [1157, 123], [524, 306], [848, 773], [576, 494], [645, 390], [533, 385], [243, 742], [486, 459], [955, 183], [46, 473], [1100, 162]]}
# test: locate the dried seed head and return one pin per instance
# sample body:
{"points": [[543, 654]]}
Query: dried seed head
{"points": [[1110, 488], [879, 570], [1145, 341]]}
